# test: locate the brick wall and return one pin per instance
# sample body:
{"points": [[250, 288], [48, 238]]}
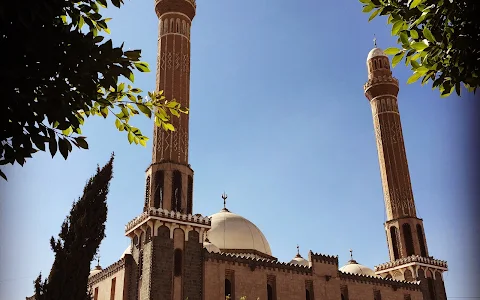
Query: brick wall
{"points": [[162, 265], [193, 267]]}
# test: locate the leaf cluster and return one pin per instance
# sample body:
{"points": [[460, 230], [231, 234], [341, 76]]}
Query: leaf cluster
{"points": [[58, 70], [438, 39]]}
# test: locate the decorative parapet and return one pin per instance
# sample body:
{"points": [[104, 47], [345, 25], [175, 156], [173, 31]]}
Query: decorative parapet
{"points": [[412, 259], [107, 272], [322, 258], [377, 280], [192, 2], [380, 79], [170, 215], [254, 263]]}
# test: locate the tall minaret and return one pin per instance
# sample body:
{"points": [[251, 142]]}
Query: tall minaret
{"points": [[409, 258], [169, 177]]}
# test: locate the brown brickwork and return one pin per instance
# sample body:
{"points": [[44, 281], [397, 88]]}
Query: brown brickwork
{"points": [[193, 267], [162, 265]]}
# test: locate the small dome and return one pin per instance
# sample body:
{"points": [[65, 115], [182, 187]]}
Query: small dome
{"points": [[127, 251], [355, 268], [231, 231], [299, 260], [95, 270], [210, 247], [376, 52]]}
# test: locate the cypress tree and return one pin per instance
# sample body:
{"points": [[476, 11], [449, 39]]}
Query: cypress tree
{"points": [[78, 242]]}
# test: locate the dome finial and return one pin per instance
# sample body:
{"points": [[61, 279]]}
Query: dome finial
{"points": [[351, 254], [224, 197], [298, 250], [374, 41]]}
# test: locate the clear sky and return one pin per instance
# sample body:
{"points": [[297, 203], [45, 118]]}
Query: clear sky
{"points": [[280, 123]]}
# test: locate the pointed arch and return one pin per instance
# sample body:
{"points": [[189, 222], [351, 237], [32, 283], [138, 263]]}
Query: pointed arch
{"points": [[407, 235], [421, 241], [158, 191], [394, 239], [177, 191], [178, 261], [147, 191]]}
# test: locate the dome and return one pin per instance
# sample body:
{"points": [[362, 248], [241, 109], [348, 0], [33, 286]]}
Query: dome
{"points": [[230, 231], [355, 268], [299, 260], [210, 247], [376, 52], [95, 270], [127, 251]]}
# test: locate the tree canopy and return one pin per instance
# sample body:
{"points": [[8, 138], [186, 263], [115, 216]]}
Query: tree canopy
{"points": [[438, 39], [78, 242], [58, 70]]}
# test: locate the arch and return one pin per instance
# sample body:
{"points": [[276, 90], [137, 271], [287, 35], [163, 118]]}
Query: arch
{"points": [[184, 27], [387, 64], [394, 239], [407, 235], [177, 26], [421, 273], [165, 26], [158, 192], [140, 241], [421, 241], [380, 63], [177, 260], [177, 191], [408, 275], [389, 276], [163, 231], [172, 26], [307, 294], [147, 191], [135, 241], [228, 288], [374, 64], [343, 297], [190, 195], [269, 292]]}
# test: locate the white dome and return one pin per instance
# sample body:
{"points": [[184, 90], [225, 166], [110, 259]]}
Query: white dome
{"points": [[355, 268], [95, 270], [127, 251], [376, 52], [231, 231], [210, 247], [298, 260]]}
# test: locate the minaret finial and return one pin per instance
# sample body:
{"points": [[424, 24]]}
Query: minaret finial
{"points": [[374, 41], [351, 254], [298, 250], [98, 260], [224, 197]]}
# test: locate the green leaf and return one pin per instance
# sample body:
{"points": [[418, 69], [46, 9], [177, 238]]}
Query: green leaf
{"points": [[52, 143], [141, 66], [136, 91], [414, 34], [130, 137], [143, 142], [422, 70], [428, 35], [414, 64], [365, 1], [121, 87], [419, 46], [374, 14], [118, 123], [391, 51], [396, 27], [81, 142], [368, 8], [168, 126], [67, 131], [397, 58], [414, 77], [415, 3], [404, 38], [144, 109]]}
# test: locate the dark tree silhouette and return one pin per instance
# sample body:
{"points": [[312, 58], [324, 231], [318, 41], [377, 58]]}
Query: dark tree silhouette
{"points": [[78, 242]]}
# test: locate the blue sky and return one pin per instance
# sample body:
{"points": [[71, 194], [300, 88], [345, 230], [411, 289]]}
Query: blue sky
{"points": [[278, 121]]}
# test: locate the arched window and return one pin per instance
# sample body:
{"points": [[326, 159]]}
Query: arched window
{"points": [[178, 262], [407, 234], [307, 294], [178, 26], [228, 288], [394, 238], [269, 292], [374, 64], [147, 191], [177, 191], [140, 241], [421, 241], [158, 192]]}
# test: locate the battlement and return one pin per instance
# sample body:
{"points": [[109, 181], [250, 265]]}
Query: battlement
{"points": [[379, 80], [413, 259], [377, 280], [158, 213], [322, 258], [107, 272], [254, 263]]}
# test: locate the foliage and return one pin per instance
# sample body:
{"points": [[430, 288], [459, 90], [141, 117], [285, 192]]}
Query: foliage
{"points": [[58, 70], [78, 242], [439, 39]]}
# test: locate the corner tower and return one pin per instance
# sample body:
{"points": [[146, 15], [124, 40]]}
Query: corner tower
{"points": [[409, 256], [169, 183]]}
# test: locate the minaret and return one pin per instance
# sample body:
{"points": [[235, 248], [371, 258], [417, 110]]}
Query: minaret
{"points": [[166, 239], [169, 183], [405, 234]]}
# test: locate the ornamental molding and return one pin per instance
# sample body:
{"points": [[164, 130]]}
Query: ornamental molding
{"points": [[414, 259], [379, 80], [361, 278]]}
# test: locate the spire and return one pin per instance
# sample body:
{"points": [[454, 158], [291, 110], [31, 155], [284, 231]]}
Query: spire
{"points": [[224, 197], [352, 261], [298, 251], [351, 254], [374, 41]]}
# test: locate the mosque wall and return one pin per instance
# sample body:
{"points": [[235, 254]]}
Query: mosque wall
{"points": [[364, 288], [110, 283]]}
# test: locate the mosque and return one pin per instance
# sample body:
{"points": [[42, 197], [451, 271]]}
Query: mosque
{"points": [[175, 254]]}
